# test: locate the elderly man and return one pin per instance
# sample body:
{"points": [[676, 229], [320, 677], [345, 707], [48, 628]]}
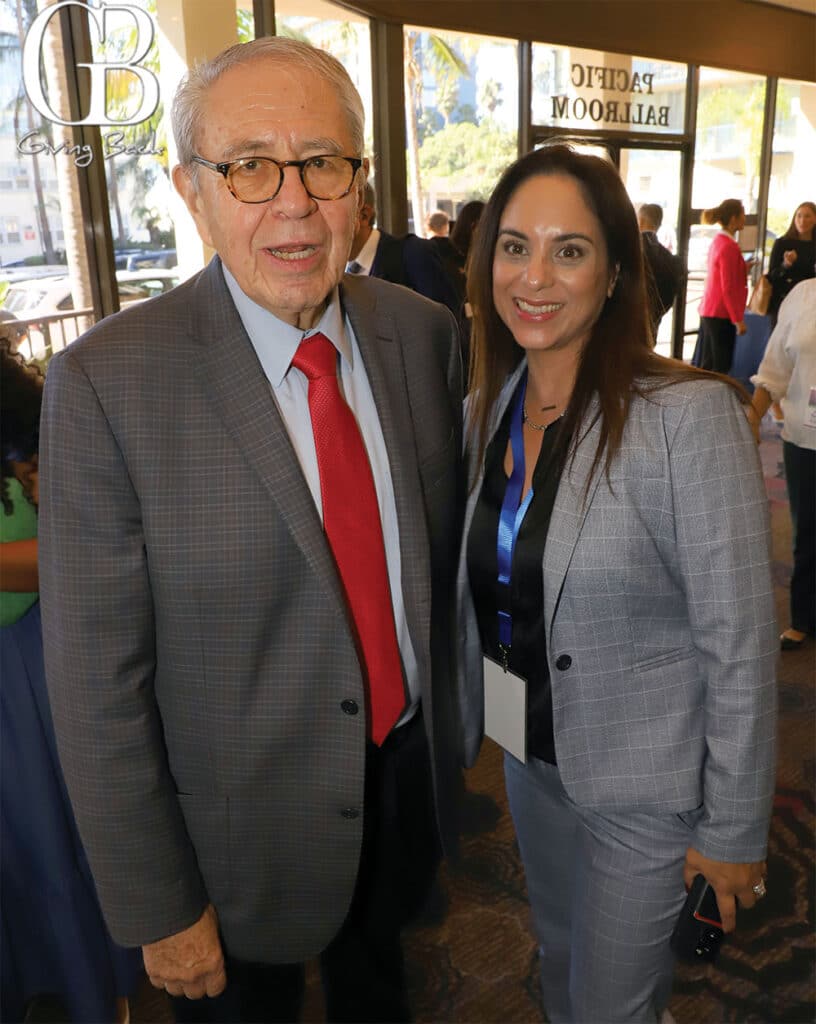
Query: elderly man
{"points": [[250, 494]]}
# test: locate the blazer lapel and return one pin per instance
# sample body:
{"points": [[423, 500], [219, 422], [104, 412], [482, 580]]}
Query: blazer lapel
{"points": [[382, 353], [233, 377], [572, 502]]}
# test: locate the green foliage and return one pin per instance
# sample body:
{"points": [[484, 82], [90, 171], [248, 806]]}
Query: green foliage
{"points": [[246, 25], [470, 156]]}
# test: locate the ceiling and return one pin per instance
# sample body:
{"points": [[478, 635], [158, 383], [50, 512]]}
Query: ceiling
{"points": [[808, 6]]}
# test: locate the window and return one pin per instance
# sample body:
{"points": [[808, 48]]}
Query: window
{"points": [[587, 89], [730, 110], [794, 155], [461, 118]]}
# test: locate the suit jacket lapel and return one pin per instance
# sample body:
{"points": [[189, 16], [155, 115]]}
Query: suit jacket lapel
{"points": [[572, 502], [239, 390], [383, 356], [569, 511]]}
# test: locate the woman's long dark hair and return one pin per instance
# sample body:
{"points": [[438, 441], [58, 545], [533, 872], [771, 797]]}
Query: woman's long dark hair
{"points": [[21, 388], [792, 232], [617, 360]]}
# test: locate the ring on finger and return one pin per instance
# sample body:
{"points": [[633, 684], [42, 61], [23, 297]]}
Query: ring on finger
{"points": [[759, 889]]}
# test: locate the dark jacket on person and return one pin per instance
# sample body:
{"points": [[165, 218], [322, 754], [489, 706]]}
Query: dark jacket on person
{"points": [[415, 263], [664, 272], [784, 279]]}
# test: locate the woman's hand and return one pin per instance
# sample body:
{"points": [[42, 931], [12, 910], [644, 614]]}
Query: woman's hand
{"points": [[790, 257], [730, 882]]}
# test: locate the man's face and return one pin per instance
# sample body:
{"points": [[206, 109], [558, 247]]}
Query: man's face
{"points": [[287, 254]]}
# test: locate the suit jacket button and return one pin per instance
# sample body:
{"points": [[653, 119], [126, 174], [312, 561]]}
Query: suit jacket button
{"points": [[350, 813], [563, 662], [349, 706]]}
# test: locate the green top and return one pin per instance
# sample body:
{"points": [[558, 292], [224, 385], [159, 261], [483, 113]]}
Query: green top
{"points": [[20, 525]]}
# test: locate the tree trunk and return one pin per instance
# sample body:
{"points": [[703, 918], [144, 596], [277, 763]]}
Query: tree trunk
{"points": [[412, 83]]}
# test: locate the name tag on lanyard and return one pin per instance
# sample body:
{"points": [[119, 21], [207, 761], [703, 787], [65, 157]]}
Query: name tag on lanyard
{"points": [[505, 692]]}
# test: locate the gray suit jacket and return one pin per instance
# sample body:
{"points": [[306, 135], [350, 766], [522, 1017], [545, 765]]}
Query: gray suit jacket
{"points": [[659, 610], [197, 643]]}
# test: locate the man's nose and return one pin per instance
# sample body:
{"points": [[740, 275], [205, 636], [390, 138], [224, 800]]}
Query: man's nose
{"points": [[292, 197]]}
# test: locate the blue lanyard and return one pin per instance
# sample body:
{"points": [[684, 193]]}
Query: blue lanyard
{"points": [[512, 516]]}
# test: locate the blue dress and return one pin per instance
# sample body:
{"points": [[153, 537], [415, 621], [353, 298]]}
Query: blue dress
{"points": [[54, 939]]}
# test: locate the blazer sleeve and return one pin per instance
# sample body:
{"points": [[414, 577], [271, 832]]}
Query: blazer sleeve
{"points": [[100, 657], [723, 544]]}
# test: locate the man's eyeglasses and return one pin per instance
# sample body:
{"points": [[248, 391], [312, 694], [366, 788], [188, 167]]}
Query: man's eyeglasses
{"points": [[257, 179]]}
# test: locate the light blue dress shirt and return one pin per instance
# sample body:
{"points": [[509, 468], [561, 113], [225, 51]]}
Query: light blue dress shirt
{"points": [[275, 344]]}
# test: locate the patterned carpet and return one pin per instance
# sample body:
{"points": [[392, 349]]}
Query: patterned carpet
{"points": [[479, 963]]}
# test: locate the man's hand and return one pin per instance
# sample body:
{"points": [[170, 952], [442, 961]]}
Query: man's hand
{"points": [[189, 963], [730, 882], [741, 328]]}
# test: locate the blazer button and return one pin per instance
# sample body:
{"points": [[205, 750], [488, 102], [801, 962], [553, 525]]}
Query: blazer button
{"points": [[563, 662], [350, 813], [349, 706]]}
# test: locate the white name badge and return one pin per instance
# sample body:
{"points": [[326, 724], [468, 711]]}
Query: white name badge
{"points": [[505, 697]]}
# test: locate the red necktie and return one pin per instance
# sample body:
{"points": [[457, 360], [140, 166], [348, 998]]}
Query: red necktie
{"points": [[351, 520]]}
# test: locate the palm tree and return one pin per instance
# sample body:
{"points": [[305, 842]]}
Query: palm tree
{"points": [[444, 62]]}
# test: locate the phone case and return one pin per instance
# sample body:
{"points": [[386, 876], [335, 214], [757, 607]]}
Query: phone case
{"points": [[698, 932]]}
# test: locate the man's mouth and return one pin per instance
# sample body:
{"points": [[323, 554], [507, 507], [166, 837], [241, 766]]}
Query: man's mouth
{"points": [[292, 253]]}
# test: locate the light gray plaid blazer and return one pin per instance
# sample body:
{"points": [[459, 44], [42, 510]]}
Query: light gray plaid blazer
{"points": [[196, 638], [658, 588]]}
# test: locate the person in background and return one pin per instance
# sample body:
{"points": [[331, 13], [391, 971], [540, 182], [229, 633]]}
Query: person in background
{"points": [[437, 225], [722, 308], [616, 521], [664, 271], [793, 257], [453, 252], [251, 494], [54, 940], [787, 374], [410, 261]]}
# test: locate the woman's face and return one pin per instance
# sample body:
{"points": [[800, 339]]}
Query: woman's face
{"points": [[737, 222], [551, 274], [804, 221]]}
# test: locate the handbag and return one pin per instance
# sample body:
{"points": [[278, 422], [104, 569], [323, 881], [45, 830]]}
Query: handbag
{"points": [[760, 296]]}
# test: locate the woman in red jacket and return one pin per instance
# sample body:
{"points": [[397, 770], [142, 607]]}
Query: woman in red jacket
{"points": [[722, 310]]}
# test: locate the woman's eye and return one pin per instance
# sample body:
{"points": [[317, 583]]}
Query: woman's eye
{"points": [[571, 252], [514, 248]]}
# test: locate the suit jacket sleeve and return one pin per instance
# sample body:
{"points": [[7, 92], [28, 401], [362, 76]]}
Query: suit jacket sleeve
{"points": [[722, 531], [99, 645]]}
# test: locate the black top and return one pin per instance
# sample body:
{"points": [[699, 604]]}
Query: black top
{"points": [[528, 652], [664, 271], [783, 278]]}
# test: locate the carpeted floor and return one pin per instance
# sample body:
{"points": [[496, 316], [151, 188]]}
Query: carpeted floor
{"points": [[479, 963]]}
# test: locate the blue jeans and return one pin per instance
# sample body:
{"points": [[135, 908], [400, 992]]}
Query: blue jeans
{"points": [[605, 893]]}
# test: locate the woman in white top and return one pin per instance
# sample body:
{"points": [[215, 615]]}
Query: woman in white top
{"points": [[787, 373]]}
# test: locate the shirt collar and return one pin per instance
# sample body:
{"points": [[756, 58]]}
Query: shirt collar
{"points": [[276, 342], [365, 257]]}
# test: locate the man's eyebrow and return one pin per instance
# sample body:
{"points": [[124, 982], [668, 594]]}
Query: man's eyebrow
{"points": [[256, 147]]}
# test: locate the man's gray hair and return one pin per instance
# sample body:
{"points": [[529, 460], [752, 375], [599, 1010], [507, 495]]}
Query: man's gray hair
{"points": [[188, 103]]}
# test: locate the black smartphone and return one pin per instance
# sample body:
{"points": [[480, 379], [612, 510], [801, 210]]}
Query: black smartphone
{"points": [[698, 932]]}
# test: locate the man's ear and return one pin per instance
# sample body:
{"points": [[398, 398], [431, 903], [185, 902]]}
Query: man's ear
{"points": [[188, 190]]}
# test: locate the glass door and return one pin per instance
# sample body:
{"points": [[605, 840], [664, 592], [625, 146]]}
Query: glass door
{"points": [[654, 176]]}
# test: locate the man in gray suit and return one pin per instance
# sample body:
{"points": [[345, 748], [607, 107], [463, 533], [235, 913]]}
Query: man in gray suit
{"points": [[253, 786]]}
